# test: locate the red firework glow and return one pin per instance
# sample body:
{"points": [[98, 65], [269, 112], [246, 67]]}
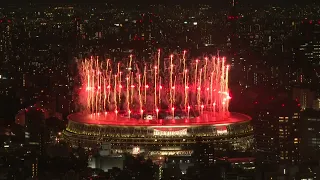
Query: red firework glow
{"points": [[168, 85]]}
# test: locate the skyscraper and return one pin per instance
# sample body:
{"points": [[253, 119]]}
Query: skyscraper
{"points": [[305, 66], [145, 35], [276, 131], [310, 135], [232, 22], [6, 28], [305, 97], [203, 153]]}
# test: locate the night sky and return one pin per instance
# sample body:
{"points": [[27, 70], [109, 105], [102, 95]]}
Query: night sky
{"points": [[217, 3]]}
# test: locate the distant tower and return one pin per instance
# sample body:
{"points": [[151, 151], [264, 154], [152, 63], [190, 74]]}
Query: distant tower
{"points": [[233, 15], [6, 28], [78, 33], [233, 11], [144, 35], [232, 21]]}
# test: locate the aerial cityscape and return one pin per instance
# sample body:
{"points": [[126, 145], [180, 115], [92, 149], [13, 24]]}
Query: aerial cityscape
{"points": [[160, 90]]}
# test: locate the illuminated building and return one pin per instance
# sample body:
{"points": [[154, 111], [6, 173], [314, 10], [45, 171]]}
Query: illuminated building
{"points": [[6, 29], [307, 52], [34, 123], [232, 21], [276, 129], [78, 32], [203, 154], [105, 162], [174, 138], [255, 77], [310, 134], [241, 168], [311, 45], [305, 97], [171, 171], [146, 34], [35, 169], [158, 111], [316, 104], [30, 165]]}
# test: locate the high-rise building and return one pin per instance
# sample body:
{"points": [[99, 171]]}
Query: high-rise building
{"points": [[306, 55], [36, 133], [316, 104], [145, 35], [203, 154], [5, 39], [276, 131], [232, 22], [6, 36], [34, 122], [305, 97], [310, 134], [311, 42], [233, 12], [78, 32], [30, 165]]}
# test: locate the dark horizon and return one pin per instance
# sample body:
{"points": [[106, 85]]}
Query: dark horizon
{"points": [[216, 3]]}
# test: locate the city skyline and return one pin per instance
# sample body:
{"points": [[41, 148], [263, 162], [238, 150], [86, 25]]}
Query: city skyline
{"points": [[161, 90]]}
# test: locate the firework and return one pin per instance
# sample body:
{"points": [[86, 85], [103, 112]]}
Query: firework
{"points": [[168, 84]]}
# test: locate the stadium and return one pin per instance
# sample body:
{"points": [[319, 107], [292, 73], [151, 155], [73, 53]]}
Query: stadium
{"points": [[159, 138], [159, 109]]}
